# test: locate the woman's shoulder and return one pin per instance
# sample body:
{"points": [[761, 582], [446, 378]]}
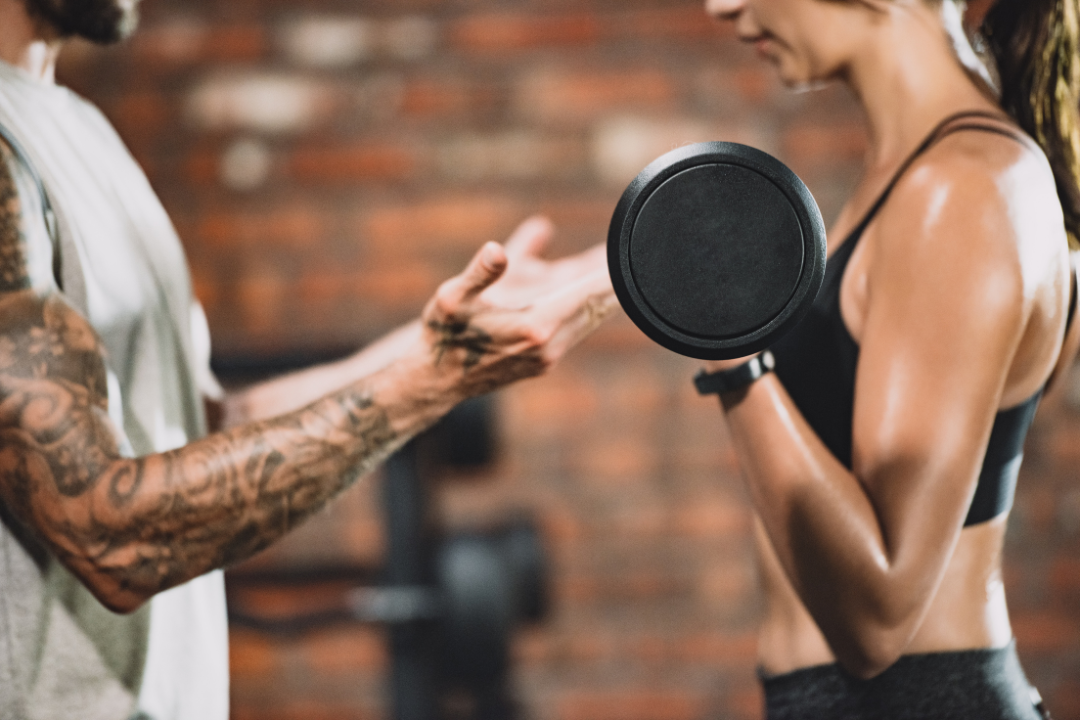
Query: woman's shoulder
{"points": [[976, 226], [985, 183]]}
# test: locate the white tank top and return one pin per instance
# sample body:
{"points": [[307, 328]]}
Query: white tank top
{"points": [[62, 654]]}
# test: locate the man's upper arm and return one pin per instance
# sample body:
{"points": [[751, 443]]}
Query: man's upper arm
{"points": [[55, 434]]}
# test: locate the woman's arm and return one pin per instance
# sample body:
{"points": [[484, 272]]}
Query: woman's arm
{"points": [[948, 300]]}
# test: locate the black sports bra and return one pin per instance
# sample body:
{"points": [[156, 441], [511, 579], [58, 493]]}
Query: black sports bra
{"points": [[816, 361]]}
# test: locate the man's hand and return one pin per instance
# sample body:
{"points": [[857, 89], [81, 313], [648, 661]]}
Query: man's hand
{"points": [[529, 275], [511, 315]]}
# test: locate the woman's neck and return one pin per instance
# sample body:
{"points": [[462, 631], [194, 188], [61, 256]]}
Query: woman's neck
{"points": [[907, 78], [24, 43]]}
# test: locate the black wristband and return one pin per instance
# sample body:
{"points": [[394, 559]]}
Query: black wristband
{"points": [[737, 378]]}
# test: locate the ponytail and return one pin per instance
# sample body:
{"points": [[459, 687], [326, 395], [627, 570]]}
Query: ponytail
{"points": [[1036, 45]]}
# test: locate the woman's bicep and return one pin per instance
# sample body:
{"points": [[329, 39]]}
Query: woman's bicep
{"points": [[943, 321]]}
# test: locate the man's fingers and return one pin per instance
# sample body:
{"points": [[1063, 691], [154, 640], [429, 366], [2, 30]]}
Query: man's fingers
{"points": [[577, 310], [530, 238], [486, 266]]}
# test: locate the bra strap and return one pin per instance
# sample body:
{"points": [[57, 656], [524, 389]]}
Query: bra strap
{"points": [[940, 130]]}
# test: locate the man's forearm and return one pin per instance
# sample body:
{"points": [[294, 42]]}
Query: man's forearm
{"points": [[295, 390], [166, 518]]}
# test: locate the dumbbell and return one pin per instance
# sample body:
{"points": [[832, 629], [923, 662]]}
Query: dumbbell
{"points": [[485, 584], [489, 583], [716, 249]]}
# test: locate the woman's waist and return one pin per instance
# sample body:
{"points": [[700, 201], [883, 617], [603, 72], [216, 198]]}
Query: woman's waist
{"points": [[968, 610]]}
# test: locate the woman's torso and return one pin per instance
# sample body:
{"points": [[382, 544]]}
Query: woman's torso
{"points": [[968, 609]]}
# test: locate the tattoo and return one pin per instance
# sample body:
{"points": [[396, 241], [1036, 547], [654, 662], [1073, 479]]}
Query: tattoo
{"points": [[459, 335], [133, 527], [13, 275]]}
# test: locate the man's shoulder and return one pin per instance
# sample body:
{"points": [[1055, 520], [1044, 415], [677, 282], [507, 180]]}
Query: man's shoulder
{"points": [[23, 103]]}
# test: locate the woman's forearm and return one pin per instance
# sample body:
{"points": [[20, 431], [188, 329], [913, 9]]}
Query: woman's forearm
{"points": [[865, 594]]}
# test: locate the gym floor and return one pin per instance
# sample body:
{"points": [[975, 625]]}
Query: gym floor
{"points": [[328, 163]]}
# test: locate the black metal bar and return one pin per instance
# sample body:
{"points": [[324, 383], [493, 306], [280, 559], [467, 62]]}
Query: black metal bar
{"points": [[413, 689]]}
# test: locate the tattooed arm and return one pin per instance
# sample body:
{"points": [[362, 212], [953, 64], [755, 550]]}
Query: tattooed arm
{"points": [[129, 528]]}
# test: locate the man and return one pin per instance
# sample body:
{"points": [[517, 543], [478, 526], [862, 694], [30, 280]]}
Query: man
{"points": [[111, 493]]}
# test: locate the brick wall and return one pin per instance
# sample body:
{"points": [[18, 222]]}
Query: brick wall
{"points": [[328, 163]]}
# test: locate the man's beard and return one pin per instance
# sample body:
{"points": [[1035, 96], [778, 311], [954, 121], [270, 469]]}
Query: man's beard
{"points": [[100, 21]]}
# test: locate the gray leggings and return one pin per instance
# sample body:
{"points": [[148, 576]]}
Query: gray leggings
{"points": [[970, 684]]}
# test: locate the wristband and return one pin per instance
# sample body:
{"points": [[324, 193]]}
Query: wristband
{"points": [[736, 378]]}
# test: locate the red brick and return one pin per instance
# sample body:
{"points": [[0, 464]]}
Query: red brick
{"points": [[278, 602], [262, 297], [1063, 700], [505, 32], [348, 649], [755, 84], [562, 526], [746, 702], [620, 333], [1065, 576], [207, 290], [811, 145], [364, 163], [292, 226], [582, 96], [236, 43], [531, 647], [561, 405], [1046, 632], [714, 519], [579, 215], [617, 460], [251, 654], [404, 287], [365, 540], [185, 44], [683, 24], [437, 98], [203, 168], [1062, 443], [142, 114], [717, 649], [632, 585], [461, 222], [590, 647], [292, 709], [631, 704], [729, 585], [171, 43], [319, 287]]}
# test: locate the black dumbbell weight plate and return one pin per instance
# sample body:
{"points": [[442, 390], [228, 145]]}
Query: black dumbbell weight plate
{"points": [[716, 249]]}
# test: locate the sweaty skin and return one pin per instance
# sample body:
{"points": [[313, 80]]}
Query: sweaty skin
{"points": [[132, 527], [957, 296]]}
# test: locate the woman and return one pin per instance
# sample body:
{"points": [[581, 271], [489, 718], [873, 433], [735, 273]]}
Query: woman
{"points": [[882, 454]]}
